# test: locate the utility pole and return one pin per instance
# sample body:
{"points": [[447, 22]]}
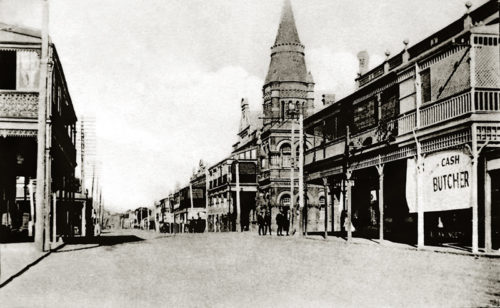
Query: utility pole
{"points": [[348, 184], [42, 209], [191, 199], [301, 172], [206, 199], [292, 171], [238, 206]]}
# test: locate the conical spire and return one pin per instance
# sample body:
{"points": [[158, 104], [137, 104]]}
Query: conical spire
{"points": [[287, 55], [287, 31]]}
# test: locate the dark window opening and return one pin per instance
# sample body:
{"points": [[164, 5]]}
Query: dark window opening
{"points": [[364, 115], [425, 78], [8, 69]]}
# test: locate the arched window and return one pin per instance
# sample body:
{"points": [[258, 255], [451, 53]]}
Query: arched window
{"points": [[286, 154]]}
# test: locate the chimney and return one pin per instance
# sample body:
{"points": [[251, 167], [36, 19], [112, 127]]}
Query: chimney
{"points": [[364, 61], [244, 114], [467, 18], [328, 99]]}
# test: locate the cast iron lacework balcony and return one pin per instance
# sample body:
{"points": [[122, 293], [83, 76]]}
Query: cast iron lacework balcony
{"points": [[18, 104], [484, 101]]}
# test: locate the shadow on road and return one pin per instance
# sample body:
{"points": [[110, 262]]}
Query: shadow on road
{"points": [[105, 240]]}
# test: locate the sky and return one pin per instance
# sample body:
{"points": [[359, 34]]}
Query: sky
{"points": [[165, 78]]}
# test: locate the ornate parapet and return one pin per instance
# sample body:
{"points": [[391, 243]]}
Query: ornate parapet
{"points": [[15, 104]]}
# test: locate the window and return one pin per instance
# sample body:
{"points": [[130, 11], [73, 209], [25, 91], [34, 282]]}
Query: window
{"points": [[425, 79], [286, 153], [364, 115], [285, 200], [8, 69], [253, 154], [283, 109]]}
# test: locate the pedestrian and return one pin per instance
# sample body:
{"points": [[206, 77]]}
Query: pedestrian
{"points": [[267, 222], [260, 221], [286, 221], [279, 223]]}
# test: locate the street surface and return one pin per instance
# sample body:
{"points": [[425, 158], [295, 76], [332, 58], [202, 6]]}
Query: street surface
{"points": [[141, 269]]}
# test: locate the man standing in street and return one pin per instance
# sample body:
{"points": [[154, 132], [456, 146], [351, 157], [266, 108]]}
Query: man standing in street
{"points": [[260, 222], [267, 222], [286, 221], [279, 222]]}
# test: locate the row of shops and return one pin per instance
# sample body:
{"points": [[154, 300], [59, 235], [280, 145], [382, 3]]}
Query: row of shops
{"points": [[412, 155]]}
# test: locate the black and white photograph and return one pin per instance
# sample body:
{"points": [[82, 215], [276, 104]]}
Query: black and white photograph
{"points": [[249, 153]]}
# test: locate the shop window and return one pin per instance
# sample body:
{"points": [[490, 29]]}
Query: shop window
{"points": [[8, 70], [425, 79]]}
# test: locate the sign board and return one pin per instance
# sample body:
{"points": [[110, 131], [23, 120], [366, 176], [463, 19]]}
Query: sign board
{"points": [[446, 182]]}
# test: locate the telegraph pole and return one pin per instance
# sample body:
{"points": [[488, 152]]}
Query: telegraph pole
{"points": [[292, 179], [301, 172], [42, 209], [238, 206]]}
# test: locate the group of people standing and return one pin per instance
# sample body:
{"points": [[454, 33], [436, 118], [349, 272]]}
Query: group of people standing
{"points": [[264, 221]]}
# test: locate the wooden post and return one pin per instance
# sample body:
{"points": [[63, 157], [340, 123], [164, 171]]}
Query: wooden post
{"points": [[292, 180], [487, 210], [474, 189], [305, 210], [54, 218], [419, 168], [325, 190], [380, 169], [349, 204], [238, 205]]}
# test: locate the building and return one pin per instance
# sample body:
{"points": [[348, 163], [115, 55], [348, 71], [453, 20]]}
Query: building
{"points": [[413, 154], [288, 91], [21, 66], [232, 189]]}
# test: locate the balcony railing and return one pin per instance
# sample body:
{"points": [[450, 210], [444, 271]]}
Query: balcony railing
{"points": [[275, 174], [433, 113], [445, 110], [16, 104], [484, 100], [407, 123]]}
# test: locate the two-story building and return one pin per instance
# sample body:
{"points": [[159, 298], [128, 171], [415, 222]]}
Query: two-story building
{"points": [[412, 155], [20, 63], [232, 192]]}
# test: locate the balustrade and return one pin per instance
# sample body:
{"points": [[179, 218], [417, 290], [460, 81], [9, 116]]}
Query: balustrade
{"points": [[407, 123], [16, 104], [433, 113]]}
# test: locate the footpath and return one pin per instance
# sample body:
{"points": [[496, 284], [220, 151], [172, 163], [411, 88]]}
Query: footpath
{"points": [[16, 258], [451, 249]]}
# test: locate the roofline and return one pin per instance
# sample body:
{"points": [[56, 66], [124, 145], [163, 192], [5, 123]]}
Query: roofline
{"points": [[417, 57]]}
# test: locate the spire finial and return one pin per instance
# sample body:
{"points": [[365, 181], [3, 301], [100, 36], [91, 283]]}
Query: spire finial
{"points": [[287, 31]]}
